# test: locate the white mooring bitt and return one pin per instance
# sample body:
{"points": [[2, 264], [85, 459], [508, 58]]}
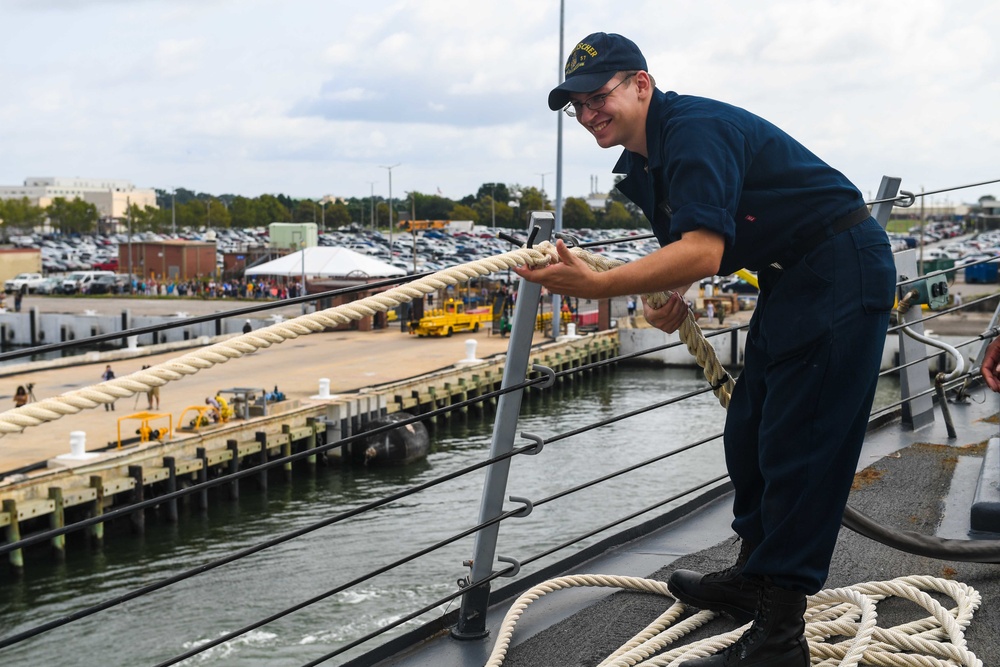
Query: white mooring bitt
{"points": [[470, 353]]}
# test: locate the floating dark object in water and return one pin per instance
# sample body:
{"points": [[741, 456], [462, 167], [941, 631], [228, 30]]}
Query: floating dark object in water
{"points": [[397, 446]]}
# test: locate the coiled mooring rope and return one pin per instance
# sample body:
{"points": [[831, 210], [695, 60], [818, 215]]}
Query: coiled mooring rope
{"points": [[841, 625]]}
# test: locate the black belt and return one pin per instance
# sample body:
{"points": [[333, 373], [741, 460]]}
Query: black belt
{"points": [[801, 248]]}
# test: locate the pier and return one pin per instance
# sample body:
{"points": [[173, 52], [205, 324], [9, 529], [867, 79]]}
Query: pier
{"points": [[64, 488]]}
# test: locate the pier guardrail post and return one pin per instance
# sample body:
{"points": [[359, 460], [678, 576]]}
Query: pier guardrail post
{"points": [[472, 615]]}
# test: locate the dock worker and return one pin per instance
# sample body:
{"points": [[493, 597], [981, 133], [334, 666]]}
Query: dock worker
{"points": [[724, 189]]}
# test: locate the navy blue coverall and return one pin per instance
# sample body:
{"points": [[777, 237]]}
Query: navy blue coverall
{"points": [[799, 410]]}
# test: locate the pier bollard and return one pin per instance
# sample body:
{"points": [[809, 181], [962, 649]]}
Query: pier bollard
{"points": [[470, 353], [77, 448], [77, 443], [324, 387]]}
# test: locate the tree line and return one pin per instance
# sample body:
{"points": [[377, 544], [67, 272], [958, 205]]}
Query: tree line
{"points": [[494, 205]]}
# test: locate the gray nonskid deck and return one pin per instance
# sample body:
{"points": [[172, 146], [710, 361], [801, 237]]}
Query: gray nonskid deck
{"points": [[918, 482]]}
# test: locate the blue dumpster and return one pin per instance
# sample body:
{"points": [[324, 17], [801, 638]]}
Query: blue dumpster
{"points": [[982, 273]]}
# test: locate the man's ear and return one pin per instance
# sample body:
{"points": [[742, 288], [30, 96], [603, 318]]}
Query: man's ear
{"points": [[643, 83]]}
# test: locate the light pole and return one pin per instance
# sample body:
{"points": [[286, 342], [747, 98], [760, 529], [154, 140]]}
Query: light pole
{"points": [[128, 221], [302, 289], [372, 183], [493, 205], [516, 202], [543, 175], [173, 213], [390, 168]]}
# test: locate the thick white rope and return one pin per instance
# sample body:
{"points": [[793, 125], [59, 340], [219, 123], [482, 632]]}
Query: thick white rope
{"points": [[841, 625], [51, 409]]}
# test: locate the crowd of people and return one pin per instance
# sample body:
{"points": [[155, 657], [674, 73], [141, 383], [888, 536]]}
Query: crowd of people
{"points": [[235, 288]]}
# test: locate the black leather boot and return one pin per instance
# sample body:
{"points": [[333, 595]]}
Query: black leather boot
{"points": [[776, 638], [726, 591]]}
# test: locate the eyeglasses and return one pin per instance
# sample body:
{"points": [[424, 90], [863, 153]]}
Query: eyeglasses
{"points": [[594, 103]]}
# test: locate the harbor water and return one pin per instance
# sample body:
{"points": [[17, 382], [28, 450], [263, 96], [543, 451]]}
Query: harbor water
{"points": [[168, 622]]}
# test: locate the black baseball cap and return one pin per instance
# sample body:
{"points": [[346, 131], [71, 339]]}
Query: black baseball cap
{"points": [[593, 62]]}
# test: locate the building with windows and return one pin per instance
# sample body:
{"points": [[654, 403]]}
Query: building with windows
{"points": [[111, 196]]}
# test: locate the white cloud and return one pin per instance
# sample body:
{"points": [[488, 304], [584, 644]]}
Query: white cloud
{"points": [[309, 97], [179, 57]]}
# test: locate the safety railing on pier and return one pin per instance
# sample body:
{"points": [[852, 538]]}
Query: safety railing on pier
{"points": [[919, 402]]}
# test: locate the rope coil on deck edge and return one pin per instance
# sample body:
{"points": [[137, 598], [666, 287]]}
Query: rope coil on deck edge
{"points": [[841, 625]]}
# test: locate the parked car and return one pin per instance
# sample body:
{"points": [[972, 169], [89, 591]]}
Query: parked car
{"points": [[31, 281], [51, 285], [80, 281], [106, 284], [109, 265], [738, 286]]}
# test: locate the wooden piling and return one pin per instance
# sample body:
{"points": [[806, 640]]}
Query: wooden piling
{"points": [[56, 521], [97, 509], [234, 467], [170, 463], [137, 517], [16, 556], [261, 437], [201, 454]]}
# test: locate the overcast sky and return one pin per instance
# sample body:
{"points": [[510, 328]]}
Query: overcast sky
{"points": [[313, 97]]}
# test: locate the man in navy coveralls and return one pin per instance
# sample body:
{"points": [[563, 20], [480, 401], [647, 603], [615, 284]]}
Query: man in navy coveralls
{"points": [[724, 189]]}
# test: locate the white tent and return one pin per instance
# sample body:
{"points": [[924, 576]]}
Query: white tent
{"points": [[326, 262]]}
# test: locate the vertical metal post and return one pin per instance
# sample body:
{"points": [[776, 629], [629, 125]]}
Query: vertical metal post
{"points": [[913, 379], [888, 188], [472, 615]]}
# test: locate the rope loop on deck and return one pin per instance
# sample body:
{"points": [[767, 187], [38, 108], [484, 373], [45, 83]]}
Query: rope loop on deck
{"points": [[841, 625], [542, 254]]}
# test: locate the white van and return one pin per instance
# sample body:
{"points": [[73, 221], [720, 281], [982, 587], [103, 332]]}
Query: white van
{"points": [[78, 281]]}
